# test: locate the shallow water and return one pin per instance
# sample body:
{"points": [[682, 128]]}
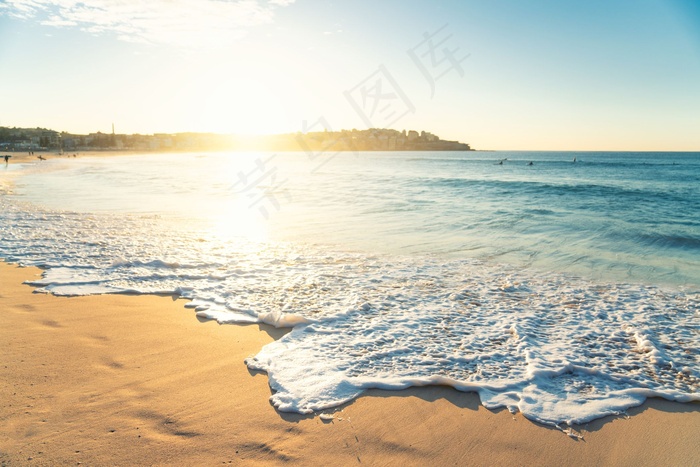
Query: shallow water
{"points": [[566, 290]]}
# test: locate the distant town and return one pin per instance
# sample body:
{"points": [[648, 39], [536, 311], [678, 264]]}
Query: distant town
{"points": [[374, 139]]}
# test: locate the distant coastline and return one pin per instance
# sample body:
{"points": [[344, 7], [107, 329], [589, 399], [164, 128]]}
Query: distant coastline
{"points": [[373, 139]]}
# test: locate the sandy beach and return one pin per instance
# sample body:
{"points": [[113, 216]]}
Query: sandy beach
{"points": [[312, 233], [23, 156], [138, 380]]}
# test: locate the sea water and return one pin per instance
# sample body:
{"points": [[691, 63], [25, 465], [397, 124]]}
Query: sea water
{"points": [[566, 289]]}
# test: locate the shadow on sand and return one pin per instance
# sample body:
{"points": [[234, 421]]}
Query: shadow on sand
{"points": [[469, 400]]}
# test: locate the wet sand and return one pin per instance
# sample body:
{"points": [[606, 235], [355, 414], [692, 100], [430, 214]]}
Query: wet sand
{"points": [[139, 380]]}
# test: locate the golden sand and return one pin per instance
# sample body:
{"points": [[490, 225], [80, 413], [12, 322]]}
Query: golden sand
{"points": [[138, 380]]}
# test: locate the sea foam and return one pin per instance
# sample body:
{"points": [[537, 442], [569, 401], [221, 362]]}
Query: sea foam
{"points": [[558, 348]]}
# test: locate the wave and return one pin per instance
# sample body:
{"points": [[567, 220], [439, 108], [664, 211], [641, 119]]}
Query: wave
{"points": [[584, 161], [559, 349], [582, 191], [658, 240], [556, 348]]}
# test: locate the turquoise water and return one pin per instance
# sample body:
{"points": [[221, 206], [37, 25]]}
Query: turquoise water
{"points": [[564, 289], [615, 216]]}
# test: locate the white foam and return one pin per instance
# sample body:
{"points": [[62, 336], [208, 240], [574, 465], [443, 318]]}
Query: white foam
{"points": [[279, 319], [224, 317], [558, 349], [521, 348]]}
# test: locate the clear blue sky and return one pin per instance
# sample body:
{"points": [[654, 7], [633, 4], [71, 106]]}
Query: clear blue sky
{"points": [[557, 74]]}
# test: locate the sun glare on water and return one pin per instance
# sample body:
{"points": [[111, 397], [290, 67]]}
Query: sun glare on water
{"points": [[239, 221], [232, 210]]}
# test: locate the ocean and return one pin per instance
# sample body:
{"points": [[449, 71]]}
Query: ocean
{"points": [[563, 285]]}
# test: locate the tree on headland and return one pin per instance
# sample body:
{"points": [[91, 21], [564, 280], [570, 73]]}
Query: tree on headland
{"points": [[372, 139]]}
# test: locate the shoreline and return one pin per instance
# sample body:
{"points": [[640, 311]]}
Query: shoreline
{"points": [[120, 379], [23, 156]]}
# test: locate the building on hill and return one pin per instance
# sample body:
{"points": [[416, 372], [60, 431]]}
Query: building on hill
{"points": [[373, 139]]}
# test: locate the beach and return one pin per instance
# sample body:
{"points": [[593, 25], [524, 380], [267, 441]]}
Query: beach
{"points": [[334, 233], [139, 380], [25, 156]]}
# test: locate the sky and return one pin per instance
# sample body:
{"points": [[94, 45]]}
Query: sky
{"points": [[617, 75]]}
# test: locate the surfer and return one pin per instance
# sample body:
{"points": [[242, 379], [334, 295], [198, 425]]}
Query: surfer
{"points": [[530, 163]]}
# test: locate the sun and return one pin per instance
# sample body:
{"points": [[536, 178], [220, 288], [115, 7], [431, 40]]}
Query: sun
{"points": [[242, 106]]}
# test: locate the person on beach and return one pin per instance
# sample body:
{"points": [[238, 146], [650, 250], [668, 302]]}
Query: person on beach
{"points": [[7, 158]]}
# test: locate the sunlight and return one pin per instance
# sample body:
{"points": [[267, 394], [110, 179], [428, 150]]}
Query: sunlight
{"points": [[241, 221], [239, 212], [241, 106]]}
